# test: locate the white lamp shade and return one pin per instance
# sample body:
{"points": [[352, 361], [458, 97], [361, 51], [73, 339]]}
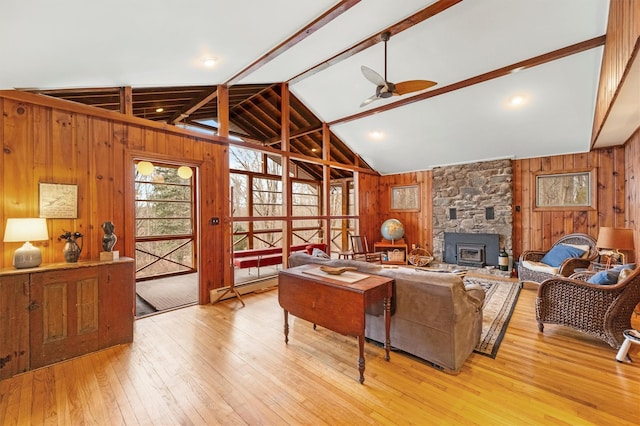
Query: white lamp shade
{"points": [[25, 229], [185, 172], [145, 168]]}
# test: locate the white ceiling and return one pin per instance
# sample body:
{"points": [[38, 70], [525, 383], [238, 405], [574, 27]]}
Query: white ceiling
{"points": [[79, 43]]}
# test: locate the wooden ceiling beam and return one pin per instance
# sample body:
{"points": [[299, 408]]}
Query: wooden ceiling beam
{"points": [[296, 134], [409, 22], [193, 106], [214, 130], [500, 72], [258, 123], [305, 32]]}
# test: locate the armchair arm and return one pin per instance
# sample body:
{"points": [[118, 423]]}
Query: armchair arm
{"points": [[532, 255], [582, 276], [476, 293], [560, 296], [570, 265]]}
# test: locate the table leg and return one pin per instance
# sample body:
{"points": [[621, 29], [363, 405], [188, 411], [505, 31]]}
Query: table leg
{"points": [[361, 357], [387, 327], [286, 326]]}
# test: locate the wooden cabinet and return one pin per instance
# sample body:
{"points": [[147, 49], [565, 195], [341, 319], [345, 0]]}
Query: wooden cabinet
{"points": [[392, 254], [14, 325], [60, 311]]}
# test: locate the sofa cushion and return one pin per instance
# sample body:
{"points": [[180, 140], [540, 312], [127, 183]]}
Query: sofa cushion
{"points": [[540, 267], [559, 253]]}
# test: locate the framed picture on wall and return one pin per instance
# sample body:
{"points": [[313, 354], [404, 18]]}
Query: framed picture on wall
{"points": [[405, 198], [58, 201], [565, 191]]}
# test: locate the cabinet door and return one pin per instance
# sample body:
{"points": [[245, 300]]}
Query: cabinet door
{"points": [[65, 314], [14, 325], [119, 306]]}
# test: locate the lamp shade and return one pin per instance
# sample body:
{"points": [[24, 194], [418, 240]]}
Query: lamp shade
{"points": [[615, 238], [185, 172], [25, 229], [145, 168]]}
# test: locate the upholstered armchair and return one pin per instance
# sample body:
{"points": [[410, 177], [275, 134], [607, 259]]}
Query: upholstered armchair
{"points": [[602, 311], [532, 269]]}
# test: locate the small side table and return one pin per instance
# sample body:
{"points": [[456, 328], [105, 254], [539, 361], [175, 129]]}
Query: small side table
{"points": [[630, 336]]}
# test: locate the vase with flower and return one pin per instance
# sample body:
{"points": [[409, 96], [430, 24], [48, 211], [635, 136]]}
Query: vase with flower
{"points": [[71, 248]]}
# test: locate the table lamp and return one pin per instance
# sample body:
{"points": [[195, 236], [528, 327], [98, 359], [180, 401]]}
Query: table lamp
{"points": [[26, 229], [615, 239]]}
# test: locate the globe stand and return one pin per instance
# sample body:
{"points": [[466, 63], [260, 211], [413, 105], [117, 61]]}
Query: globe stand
{"points": [[397, 242]]}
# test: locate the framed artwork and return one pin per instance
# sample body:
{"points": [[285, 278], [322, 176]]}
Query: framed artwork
{"points": [[565, 191], [58, 201], [405, 198]]}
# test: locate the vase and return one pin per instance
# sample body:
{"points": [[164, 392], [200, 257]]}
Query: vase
{"points": [[71, 251]]}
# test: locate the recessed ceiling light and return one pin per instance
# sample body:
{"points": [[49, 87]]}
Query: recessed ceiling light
{"points": [[376, 135], [516, 100], [209, 62], [159, 109]]}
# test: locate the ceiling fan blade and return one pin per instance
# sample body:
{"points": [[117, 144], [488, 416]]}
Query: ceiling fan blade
{"points": [[373, 76], [412, 86], [369, 100]]}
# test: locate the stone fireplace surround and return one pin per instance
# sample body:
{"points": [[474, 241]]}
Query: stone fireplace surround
{"points": [[474, 198]]}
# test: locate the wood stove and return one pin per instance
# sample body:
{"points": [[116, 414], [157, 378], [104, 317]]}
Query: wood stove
{"points": [[471, 255], [478, 249]]}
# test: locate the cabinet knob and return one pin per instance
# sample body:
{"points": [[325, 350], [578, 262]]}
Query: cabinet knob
{"points": [[33, 306]]}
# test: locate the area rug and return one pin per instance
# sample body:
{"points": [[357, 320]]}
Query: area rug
{"points": [[500, 299], [170, 292]]}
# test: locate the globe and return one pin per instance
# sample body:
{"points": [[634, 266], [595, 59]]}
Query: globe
{"points": [[392, 229]]}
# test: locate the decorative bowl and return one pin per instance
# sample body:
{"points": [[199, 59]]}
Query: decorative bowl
{"points": [[337, 270]]}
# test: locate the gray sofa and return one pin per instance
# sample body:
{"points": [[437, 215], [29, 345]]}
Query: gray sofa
{"points": [[434, 315]]}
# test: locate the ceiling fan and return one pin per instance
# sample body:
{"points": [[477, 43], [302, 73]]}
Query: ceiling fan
{"points": [[386, 89]]}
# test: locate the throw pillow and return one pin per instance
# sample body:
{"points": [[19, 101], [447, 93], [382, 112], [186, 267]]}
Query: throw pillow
{"points": [[584, 247], [559, 253], [607, 277], [619, 268], [319, 253], [624, 274]]}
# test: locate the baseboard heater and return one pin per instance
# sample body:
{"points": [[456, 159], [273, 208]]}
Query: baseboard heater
{"points": [[243, 289]]}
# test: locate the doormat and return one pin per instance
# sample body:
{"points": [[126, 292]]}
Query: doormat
{"points": [[170, 292], [500, 300]]}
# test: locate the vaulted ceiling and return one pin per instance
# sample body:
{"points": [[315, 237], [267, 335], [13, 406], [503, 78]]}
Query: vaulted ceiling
{"points": [[482, 54]]}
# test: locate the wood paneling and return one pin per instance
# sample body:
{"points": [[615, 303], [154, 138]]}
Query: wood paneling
{"points": [[538, 230], [49, 140], [623, 38], [616, 199], [632, 186], [375, 208]]}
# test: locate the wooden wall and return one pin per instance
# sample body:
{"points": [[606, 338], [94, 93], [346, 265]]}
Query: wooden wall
{"points": [[55, 141], [632, 187], [623, 41], [538, 230], [615, 191], [375, 207]]}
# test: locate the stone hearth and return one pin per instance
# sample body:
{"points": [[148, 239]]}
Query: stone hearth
{"points": [[473, 198]]}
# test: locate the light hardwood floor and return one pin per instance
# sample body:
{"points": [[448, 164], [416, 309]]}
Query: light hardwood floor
{"points": [[222, 364]]}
